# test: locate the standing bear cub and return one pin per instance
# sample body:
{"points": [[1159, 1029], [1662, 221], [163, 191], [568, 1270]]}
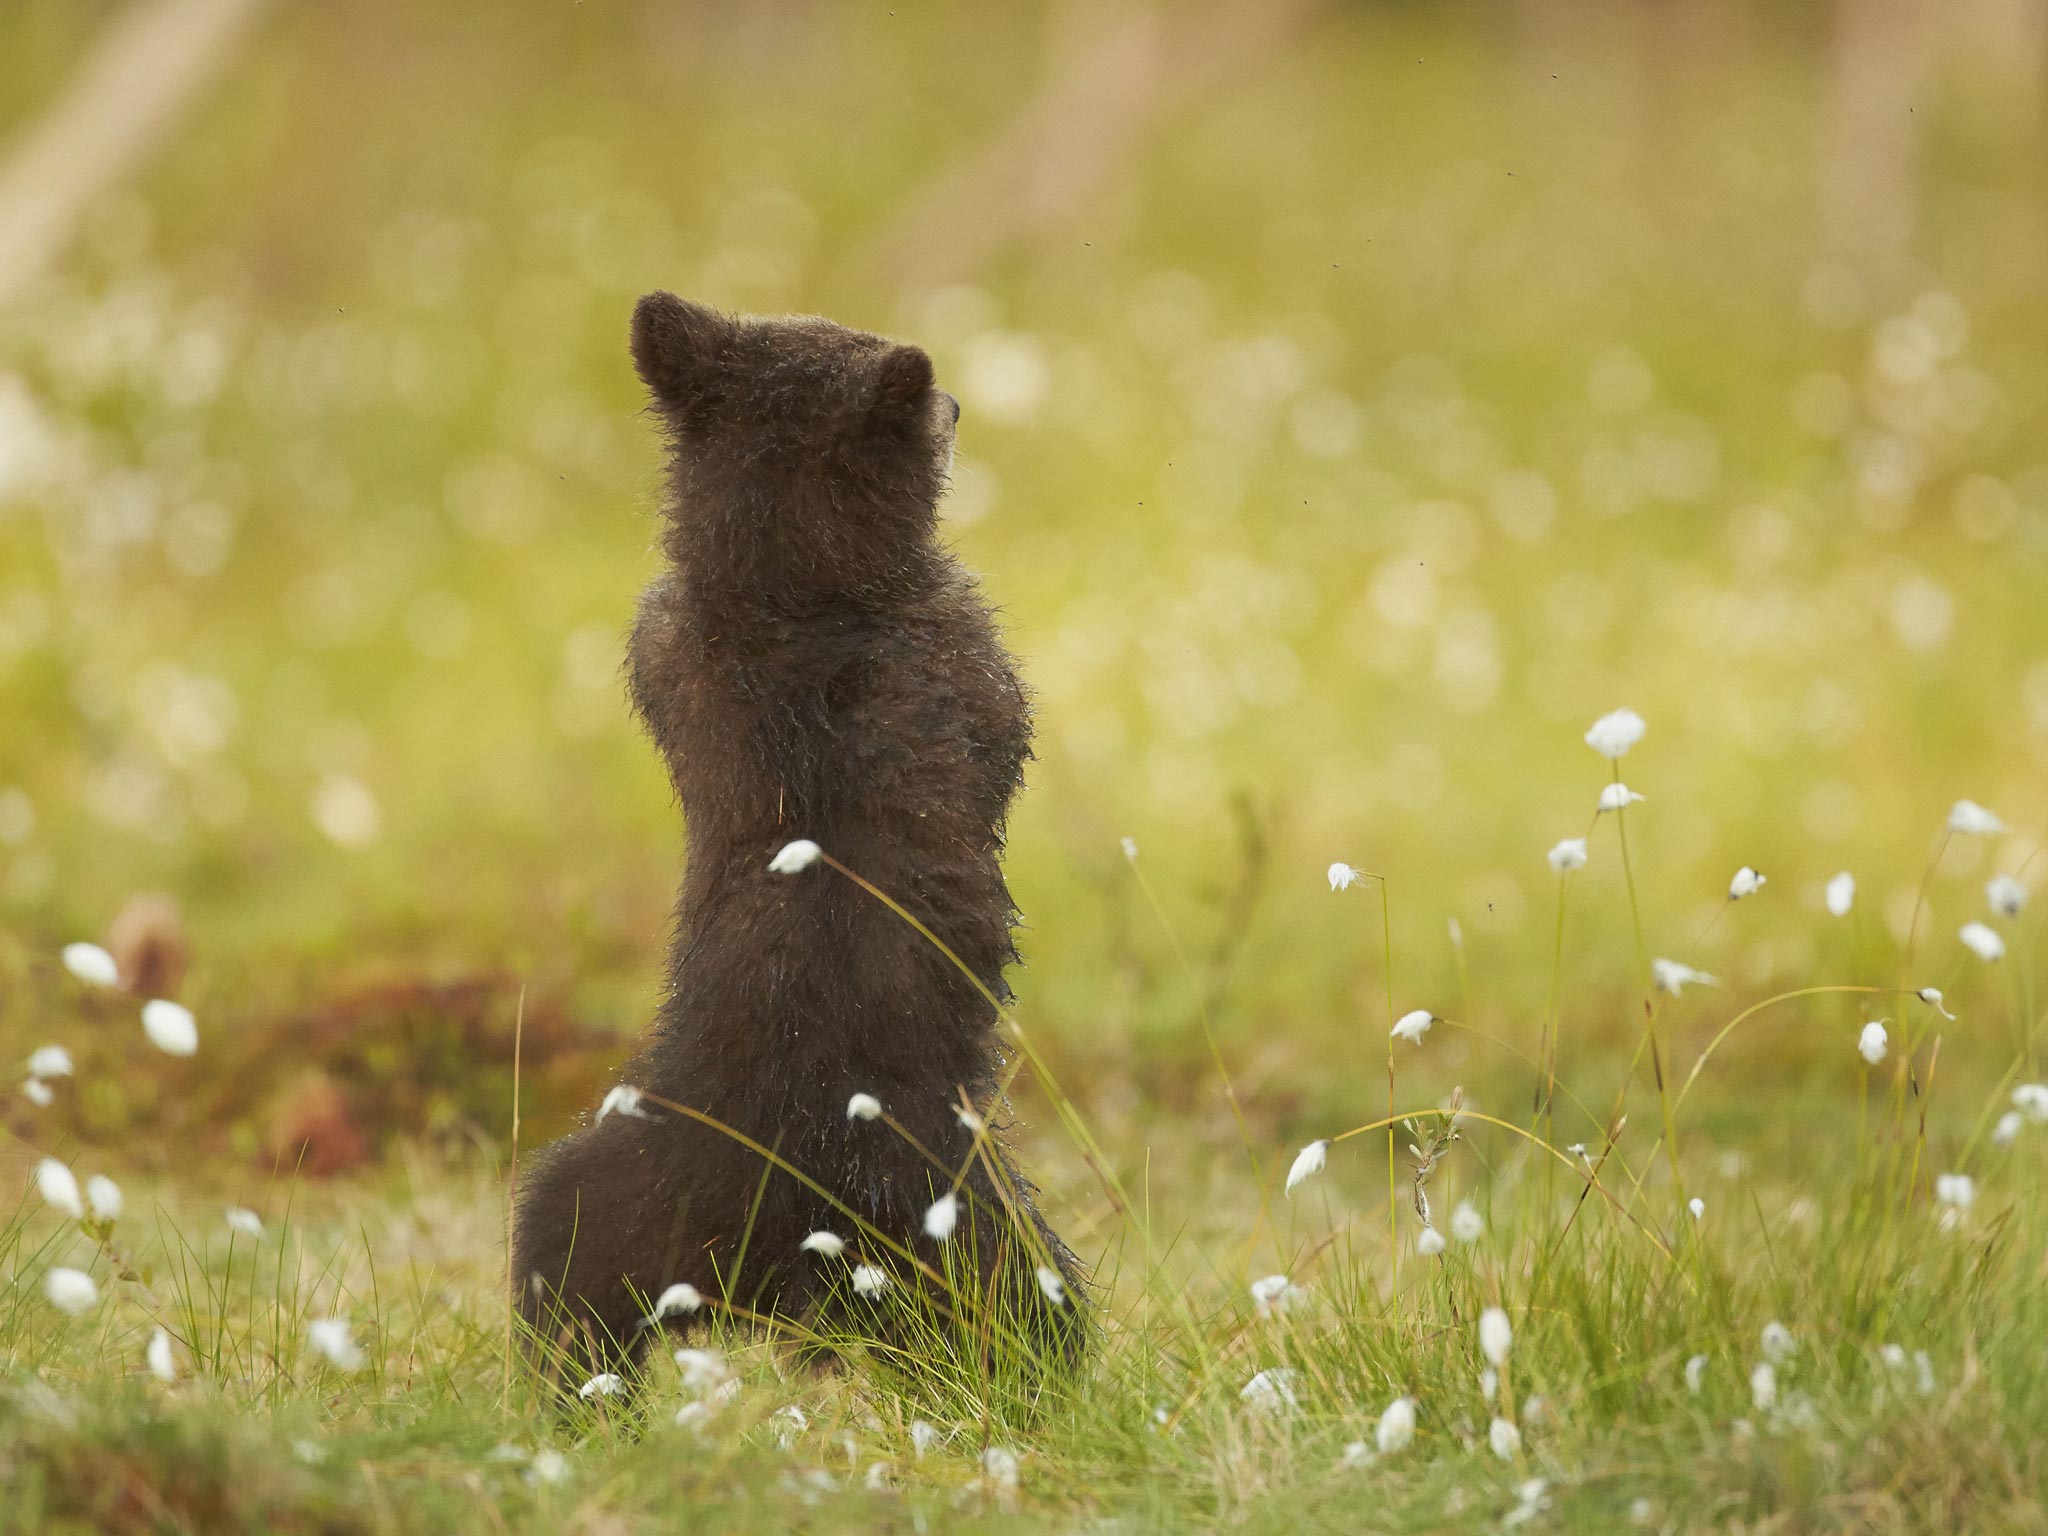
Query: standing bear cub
{"points": [[813, 665]]}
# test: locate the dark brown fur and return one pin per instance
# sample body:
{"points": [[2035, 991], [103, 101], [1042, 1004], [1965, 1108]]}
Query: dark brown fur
{"points": [[814, 664]]}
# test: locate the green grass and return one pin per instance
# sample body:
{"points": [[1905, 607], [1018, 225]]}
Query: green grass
{"points": [[1395, 409]]}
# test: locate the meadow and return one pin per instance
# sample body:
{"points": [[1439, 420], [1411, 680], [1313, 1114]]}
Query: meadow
{"points": [[1359, 415]]}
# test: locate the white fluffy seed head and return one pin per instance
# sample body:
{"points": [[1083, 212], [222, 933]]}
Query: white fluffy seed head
{"points": [[1308, 1162], [1496, 1336], [623, 1100], [1396, 1428], [941, 1217], [1695, 1374], [1674, 976], [158, 1357], [1271, 1391], [870, 1281], [1342, 877], [71, 1291], [1568, 855], [1619, 797], [1429, 1242], [2008, 1129], [91, 965], [826, 1244], [603, 1384], [1698, 1207], [2008, 898], [1747, 882], [1778, 1342], [1956, 1190], [1504, 1438], [50, 1061], [1052, 1284], [1983, 941], [38, 1093], [1874, 1042], [1615, 732], [795, 857], [334, 1340], [2031, 1099], [1932, 997], [103, 1198], [1841, 894], [863, 1106], [1970, 819], [677, 1298], [170, 1027], [1763, 1386], [59, 1188], [245, 1221], [1413, 1025], [1467, 1224]]}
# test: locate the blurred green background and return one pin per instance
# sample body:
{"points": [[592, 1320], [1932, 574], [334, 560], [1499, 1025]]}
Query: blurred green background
{"points": [[1359, 399]]}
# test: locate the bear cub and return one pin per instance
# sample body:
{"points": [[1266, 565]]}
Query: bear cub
{"points": [[812, 664]]}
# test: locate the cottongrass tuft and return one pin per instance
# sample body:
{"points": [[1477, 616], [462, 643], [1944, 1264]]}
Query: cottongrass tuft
{"points": [[1932, 997], [1763, 1386], [1747, 882], [1413, 1025], [245, 1221], [1698, 1207], [1970, 819], [2032, 1100], [1841, 894], [1130, 848], [706, 1373], [1429, 1242], [1778, 1342], [795, 857], [1674, 976], [170, 1027], [869, 1280], [1618, 797], [863, 1106], [334, 1340], [1342, 877], [58, 1186], [2008, 1129], [1000, 1466], [1277, 1293], [38, 1093], [1615, 732], [1396, 1428], [827, 1244], [1568, 855], [1496, 1336], [92, 965], [941, 1217], [1467, 1225], [1873, 1042], [2008, 898], [1052, 1283], [680, 1297], [603, 1384], [622, 1100], [158, 1357], [103, 1198], [1505, 1439], [50, 1061], [1958, 1191], [787, 1424], [1271, 1391], [1308, 1162], [1695, 1374], [923, 1437], [1982, 941], [71, 1291]]}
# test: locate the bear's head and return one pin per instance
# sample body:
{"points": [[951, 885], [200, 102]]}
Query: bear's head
{"points": [[807, 456]]}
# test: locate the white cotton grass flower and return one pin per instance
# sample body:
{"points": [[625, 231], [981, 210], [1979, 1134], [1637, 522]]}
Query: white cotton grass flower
{"points": [[705, 1371], [603, 1384], [1958, 1191], [158, 1357], [1698, 1207], [1130, 848], [1969, 819], [2008, 898], [92, 965], [1504, 1438], [1356, 1454], [1674, 976], [1874, 1042], [1413, 1025], [825, 1244], [923, 1437], [333, 1339], [1467, 1225], [49, 1061], [1308, 1162], [170, 1027], [1396, 1428], [103, 1198], [794, 858], [1778, 1343], [622, 1100], [1429, 1242], [1695, 1374], [1763, 1386], [1932, 997], [1615, 732], [1983, 941], [863, 1106], [680, 1297], [70, 1291], [2031, 1099], [1618, 797], [1343, 877], [2008, 1129], [1489, 1384], [1000, 1466], [1052, 1284], [58, 1186], [1568, 855], [1747, 882], [971, 1122], [1271, 1391], [38, 1092], [869, 1280], [941, 1217], [1276, 1293], [245, 1221], [1841, 894], [1496, 1336]]}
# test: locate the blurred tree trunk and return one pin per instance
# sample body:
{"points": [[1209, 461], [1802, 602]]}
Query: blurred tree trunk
{"points": [[1880, 65], [124, 98]]}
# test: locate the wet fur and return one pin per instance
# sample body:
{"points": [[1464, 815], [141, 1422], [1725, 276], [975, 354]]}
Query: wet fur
{"points": [[812, 663]]}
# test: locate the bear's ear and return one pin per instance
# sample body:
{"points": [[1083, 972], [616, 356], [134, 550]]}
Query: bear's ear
{"points": [[675, 343], [903, 387]]}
